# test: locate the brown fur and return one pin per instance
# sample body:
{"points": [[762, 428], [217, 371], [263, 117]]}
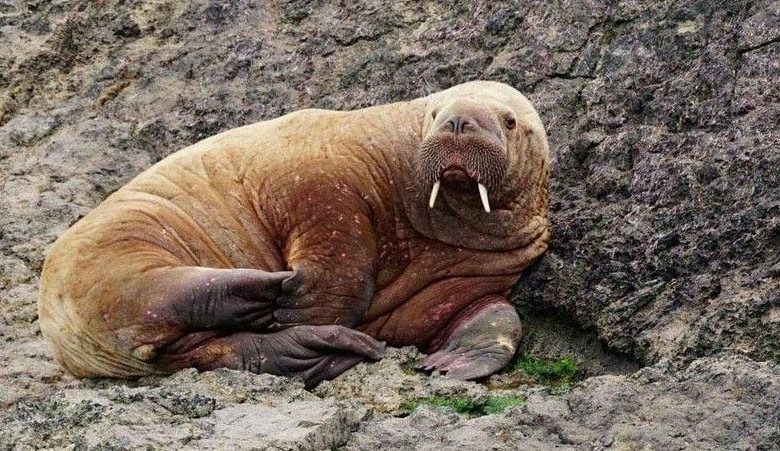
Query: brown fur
{"points": [[300, 192]]}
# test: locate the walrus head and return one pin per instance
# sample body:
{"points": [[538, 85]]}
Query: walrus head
{"points": [[467, 149], [481, 167]]}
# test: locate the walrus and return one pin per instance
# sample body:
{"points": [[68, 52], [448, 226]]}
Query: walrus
{"points": [[302, 245]]}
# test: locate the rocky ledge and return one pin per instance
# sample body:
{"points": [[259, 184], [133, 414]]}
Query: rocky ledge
{"points": [[716, 402]]}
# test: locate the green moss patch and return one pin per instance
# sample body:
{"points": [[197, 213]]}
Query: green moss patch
{"points": [[551, 372], [486, 406]]}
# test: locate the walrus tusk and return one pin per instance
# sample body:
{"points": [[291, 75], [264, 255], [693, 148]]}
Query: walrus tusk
{"points": [[434, 193], [482, 195]]}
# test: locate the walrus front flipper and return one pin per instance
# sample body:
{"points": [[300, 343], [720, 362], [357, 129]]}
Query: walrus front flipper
{"points": [[481, 340], [315, 353]]}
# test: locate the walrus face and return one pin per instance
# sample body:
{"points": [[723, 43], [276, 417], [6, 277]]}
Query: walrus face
{"points": [[467, 150]]}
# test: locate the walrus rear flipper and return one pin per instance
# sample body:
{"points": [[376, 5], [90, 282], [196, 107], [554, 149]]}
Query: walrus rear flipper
{"points": [[119, 319], [184, 306], [198, 299], [315, 353], [224, 318]]}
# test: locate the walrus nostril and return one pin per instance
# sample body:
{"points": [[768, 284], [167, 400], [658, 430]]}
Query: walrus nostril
{"points": [[454, 125], [459, 125]]}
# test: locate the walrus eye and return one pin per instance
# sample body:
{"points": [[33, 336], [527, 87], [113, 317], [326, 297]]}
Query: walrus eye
{"points": [[510, 123]]}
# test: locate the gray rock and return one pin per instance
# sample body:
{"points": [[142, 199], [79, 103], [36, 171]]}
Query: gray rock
{"points": [[666, 185], [215, 410], [299, 425], [715, 403], [386, 385]]}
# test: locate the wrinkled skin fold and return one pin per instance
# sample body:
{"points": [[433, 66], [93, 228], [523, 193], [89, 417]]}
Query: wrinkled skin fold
{"points": [[303, 245]]}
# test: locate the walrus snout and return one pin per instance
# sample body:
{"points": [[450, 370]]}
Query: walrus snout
{"points": [[467, 118], [465, 144]]}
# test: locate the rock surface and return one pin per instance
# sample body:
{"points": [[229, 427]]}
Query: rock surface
{"points": [[662, 119]]}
